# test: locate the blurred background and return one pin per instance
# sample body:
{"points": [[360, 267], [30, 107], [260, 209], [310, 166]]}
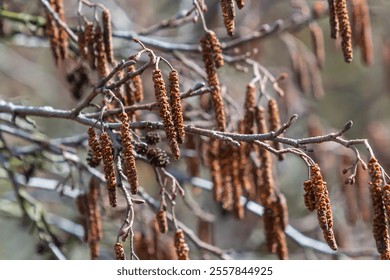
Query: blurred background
{"points": [[333, 95]]}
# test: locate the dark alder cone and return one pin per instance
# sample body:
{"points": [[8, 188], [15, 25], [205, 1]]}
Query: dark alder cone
{"points": [[182, 248], [141, 148], [152, 138], [96, 150], [228, 13], [107, 34], [165, 112], [240, 4], [345, 29], [157, 157], [333, 19], [127, 151], [109, 168], [119, 252], [175, 103], [162, 222]]}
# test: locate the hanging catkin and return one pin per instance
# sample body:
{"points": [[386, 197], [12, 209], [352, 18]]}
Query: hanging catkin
{"points": [[90, 43], [213, 81], [161, 218], [127, 151], [96, 151], [53, 33], [333, 19], [137, 87], [274, 123], [317, 38], [109, 168], [366, 43], [165, 112], [216, 48], [215, 169], [380, 227], [324, 211], [62, 35], [101, 59], [175, 103], [228, 13], [119, 252], [81, 43], [345, 29], [107, 34], [182, 249]]}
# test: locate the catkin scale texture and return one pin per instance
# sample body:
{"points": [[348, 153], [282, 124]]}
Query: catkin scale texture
{"points": [[175, 103], [109, 168]]}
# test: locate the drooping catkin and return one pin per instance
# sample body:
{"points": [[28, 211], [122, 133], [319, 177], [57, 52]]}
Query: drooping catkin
{"points": [[249, 106], [213, 81], [101, 59], [62, 35], [269, 229], [225, 153], [317, 38], [274, 123], [165, 112], [119, 251], [161, 218], [192, 161], [182, 248], [333, 19], [90, 43], [215, 169], [228, 13], [53, 33], [216, 48], [175, 103], [238, 208], [96, 151], [82, 207], [324, 210], [366, 37], [309, 196], [363, 195], [81, 43], [94, 217], [386, 200], [107, 35], [127, 151], [380, 227], [109, 167], [345, 29], [137, 87], [240, 4]]}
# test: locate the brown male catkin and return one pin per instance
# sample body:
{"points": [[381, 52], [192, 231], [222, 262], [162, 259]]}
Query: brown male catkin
{"points": [[380, 227], [52, 32], [366, 43], [93, 198], [225, 151], [119, 251], [216, 48], [62, 35], [182, 248], [161, 218], [228, 13], [82, 207], [90, 43], [175, 103], [127, 151], [238, 208], [324, 211], [165, 112], [317, 39], [109, 167], [386, 200], [333, 19], [309, 196], [215, 169], [101, 59], [81, 43], [213, 81], [274, 123], [107, 35], [94, 145], [345, 29], [137, 87], [192, 161]]}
